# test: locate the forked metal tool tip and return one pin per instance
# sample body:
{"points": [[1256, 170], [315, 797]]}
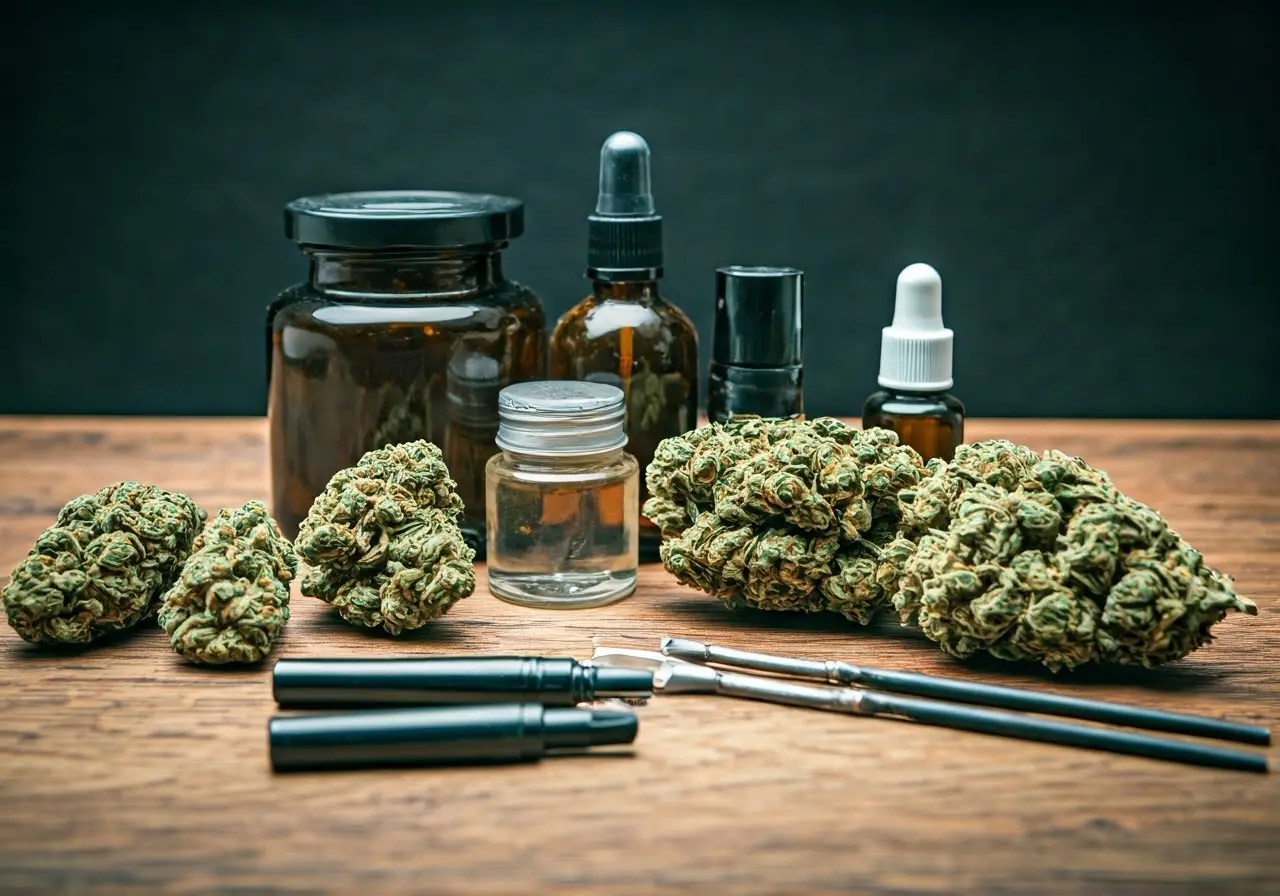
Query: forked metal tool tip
{"points": [[684, 649]]}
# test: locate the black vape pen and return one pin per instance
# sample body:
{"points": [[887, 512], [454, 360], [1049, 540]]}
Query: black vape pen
{"points": [[446, 735], [551, 681]]}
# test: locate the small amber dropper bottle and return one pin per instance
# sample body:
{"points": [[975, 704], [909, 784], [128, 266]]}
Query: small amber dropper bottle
{"points": [[915, 371], [626, 333]]}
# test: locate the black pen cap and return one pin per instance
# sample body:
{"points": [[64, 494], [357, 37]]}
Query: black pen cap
{"points": [[758, 316], [567, 728]]}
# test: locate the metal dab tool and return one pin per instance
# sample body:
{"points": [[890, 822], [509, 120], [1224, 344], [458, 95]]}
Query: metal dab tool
{"points": [[961, 691], [678, 676]]}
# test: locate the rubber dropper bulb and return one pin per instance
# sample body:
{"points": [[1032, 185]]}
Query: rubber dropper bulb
{"points": [[917, 305], [626, 186]]}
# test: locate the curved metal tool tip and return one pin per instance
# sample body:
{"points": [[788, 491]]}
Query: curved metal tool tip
{"points": [[681, 648]]}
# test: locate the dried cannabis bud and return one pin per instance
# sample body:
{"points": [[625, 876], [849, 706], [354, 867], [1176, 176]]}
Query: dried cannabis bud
{"points": [[231, 601], [784, 515], [383, 543], [103, 565], [1040, 557]]}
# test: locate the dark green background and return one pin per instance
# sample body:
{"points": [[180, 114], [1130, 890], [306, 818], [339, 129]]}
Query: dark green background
{"points": [[1095, 181]]}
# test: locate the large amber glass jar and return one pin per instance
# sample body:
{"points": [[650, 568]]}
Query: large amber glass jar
{"points": [[406, 329]]}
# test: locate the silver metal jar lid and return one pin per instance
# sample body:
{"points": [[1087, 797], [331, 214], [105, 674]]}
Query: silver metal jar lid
{"points": [[561, 417]]}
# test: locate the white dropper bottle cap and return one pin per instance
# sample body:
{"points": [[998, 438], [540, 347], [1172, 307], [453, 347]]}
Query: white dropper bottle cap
{"points": [[915, 351]]}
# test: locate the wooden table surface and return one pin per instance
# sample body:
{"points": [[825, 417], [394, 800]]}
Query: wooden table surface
{"points": [[123, 768]]}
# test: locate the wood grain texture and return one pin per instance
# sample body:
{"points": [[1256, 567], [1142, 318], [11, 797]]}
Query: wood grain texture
{"points": [[125, 769]]}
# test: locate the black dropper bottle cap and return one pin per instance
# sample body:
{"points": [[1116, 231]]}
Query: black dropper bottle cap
{"points": [[624, 236]]}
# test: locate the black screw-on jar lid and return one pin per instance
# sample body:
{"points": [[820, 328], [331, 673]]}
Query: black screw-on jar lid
{"points": [[429, 218]]}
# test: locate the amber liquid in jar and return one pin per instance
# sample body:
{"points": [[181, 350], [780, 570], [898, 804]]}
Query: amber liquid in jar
{"points": [[392, 346], [930, 422], [626, 335]]}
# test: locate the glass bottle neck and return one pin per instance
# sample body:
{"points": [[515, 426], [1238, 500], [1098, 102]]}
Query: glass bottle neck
{"points": [[407, 273], [626, 290]]}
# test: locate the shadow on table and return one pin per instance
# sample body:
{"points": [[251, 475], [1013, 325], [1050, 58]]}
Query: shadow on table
{"points": [[126, 637], [437, 631], [1172, 678]]}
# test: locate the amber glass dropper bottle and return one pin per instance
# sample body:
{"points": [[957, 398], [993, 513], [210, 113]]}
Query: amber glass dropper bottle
{"points": [[915, 371], [625, 333]]}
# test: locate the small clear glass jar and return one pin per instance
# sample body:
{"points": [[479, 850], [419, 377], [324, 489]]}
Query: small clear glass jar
{"points": [[562, 497]]}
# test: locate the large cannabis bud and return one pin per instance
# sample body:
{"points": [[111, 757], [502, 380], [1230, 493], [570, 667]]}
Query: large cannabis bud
{"points": [[784, 515], [383, 543], [1040, 557], [103, 565], [231, 601]]}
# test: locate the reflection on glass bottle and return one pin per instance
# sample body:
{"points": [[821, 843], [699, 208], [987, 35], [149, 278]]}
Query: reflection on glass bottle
{"points": [[473, 383], [402, 414]]}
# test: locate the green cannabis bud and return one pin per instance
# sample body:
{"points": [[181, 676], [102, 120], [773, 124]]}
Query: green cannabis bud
{"points": [[1040, 557], [383, 543], [231, 600], [103, 565], [784, 515]]}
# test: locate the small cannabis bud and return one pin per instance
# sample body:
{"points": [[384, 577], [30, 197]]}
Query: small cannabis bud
{"points": [[231, 601], [1040, 557], [784, 515], [103, 565], [383, 543]]}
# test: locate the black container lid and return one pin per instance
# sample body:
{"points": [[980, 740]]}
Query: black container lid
{"points": [[758, 316], [381, 219]]}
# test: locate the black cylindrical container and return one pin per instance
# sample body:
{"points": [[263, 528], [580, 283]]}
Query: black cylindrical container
{"points": [[756, 359]]}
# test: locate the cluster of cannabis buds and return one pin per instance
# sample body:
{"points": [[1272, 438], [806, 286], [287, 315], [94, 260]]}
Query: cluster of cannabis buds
{"points": [[231, 601], [382, 543], [1024, 556], [382, 540]]}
